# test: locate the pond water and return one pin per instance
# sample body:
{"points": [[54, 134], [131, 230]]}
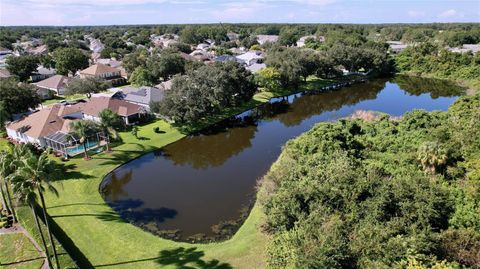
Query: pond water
{"points": [[203, 180]]}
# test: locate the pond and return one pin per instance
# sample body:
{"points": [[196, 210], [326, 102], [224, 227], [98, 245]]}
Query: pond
{"points": [[202, 186]]}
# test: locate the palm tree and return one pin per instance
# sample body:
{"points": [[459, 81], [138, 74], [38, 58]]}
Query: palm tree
{"points": [[109, 120], [6, 172], [431, 156], [83, 129], [135, 131], [37, 172]]}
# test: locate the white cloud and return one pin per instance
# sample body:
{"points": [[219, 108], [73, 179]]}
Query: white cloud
{"points": [[449, 13]]}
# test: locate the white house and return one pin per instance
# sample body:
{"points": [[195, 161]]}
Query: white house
{"points": [[262, 39], [250, 57], [38, 125]]}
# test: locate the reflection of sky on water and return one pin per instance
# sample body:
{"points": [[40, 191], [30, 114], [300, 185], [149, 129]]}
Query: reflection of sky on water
{"points": [[204, 179]]}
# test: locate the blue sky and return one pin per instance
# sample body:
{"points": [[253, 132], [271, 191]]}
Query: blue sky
{"points": [[107, 12]]}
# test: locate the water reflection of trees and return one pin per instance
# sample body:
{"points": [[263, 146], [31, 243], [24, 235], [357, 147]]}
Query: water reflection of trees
{"points": [[309, 105], [114, 184], [435, 87], [212, 149]]}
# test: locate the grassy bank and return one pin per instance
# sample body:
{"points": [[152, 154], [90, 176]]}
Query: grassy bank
{"points": [[18, 252], [102, 239], [472, 85], [27, 220]]}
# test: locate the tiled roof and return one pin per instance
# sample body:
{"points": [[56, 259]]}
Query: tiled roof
{"points": [[98, 69], [143, 95], [123, 108], [46, 121], [55, 82]]}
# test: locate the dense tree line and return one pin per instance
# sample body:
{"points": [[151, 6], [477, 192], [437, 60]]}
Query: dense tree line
{"points": [[429, 58], [353, 194], [205, 91]]}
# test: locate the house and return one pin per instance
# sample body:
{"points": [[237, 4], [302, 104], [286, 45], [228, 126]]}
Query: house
{"points": [[129, 112], [95, 44], [250, 57], [42, 49], [256, 67], [114, 75], [262, 39], [42, 73], [4, 54], [237, 51], [473, 48], [4, 74], [56, 83], [187, 57], [201, 55], [5, 51], [35, 127], [166, 85], [303, 39], [233, 36], [95, 56], [203, 46], [226, 57], [397, 46], [165, 40], [142, 96], [110, 62]]}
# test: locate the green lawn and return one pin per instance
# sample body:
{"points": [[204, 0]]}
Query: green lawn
{"points": [[18, 252], [57, 99], [107, 242]]}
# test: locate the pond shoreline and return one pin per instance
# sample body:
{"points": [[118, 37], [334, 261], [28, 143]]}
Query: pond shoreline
{"points": [[251, 203]]}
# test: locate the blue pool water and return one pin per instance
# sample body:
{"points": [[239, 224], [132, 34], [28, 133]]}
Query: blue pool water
{"points": [[79, 148]]}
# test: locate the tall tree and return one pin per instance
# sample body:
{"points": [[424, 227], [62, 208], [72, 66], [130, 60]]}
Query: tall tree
{"points": [[17, 97], [27, 193], [87, 86], [109, 122], [35, 173], [69, 60], [83, 129], [142, 77], [22, 66], [6, 172], [167, 64]]}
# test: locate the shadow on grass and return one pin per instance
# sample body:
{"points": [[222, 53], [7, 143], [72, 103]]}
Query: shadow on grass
{"points": [[19, 262], [69, 171], [106, 216], [181, 258], [75, 204]]}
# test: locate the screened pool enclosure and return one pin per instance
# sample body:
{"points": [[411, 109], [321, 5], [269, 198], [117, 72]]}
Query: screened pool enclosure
{"points": [[69, 145]]}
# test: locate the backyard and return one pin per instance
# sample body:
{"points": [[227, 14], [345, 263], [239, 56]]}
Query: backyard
{"points": [[105, 240]]}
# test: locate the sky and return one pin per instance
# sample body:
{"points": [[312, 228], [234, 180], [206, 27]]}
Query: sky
{"points": [[108, 12]]}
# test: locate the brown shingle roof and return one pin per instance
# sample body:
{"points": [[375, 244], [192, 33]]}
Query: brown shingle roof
{"points": [[98, 69], [97, 104], [46, 121], [55, 82]]}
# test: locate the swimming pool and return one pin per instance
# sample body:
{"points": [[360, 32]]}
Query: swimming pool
{"points": [[79, 148]]}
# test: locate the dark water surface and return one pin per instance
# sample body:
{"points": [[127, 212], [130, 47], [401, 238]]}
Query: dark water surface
{"points": [[205, 179]]}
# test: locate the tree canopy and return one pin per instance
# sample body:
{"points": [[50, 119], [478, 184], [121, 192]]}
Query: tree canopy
{"points": [[22, 66], [69, 60], [17, 97], [353, 194], [207, 90], [87, 86]]}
